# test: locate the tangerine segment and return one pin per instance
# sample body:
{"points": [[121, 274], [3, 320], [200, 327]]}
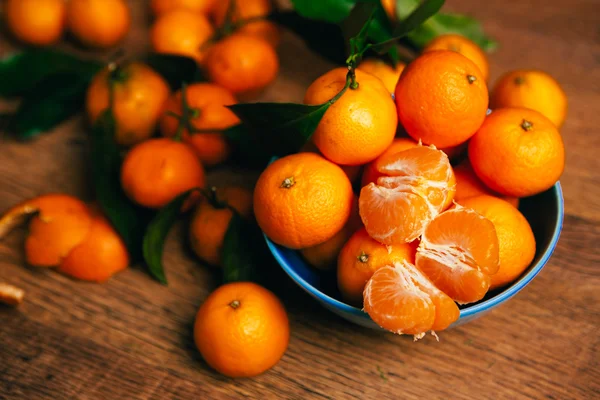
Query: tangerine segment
{"points": [[371, 174], [458, 252], [360, 257], [101, 254], [61, 224], [418, 184], [399, 298]]}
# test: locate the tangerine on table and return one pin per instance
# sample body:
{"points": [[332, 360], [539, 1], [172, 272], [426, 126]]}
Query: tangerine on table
{"points": [[464, 46], [515, 237], [531, 89], [246, 10], [442, 98], [160, 7], [36, 22], [156, 171], [98, 23], [458, 253], [469, 185], [207, 103], [417, 184], [370, 173], [100, 255], [401, 299], [360, 257], [182, 32], [324, 255], [241, 330], [139, 95], [388, 74], [211, 220], [517, 152], [360, 125], [61, 223], [244, 64], [302, 200]]}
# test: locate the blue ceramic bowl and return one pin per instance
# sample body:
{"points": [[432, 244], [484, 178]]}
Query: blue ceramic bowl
{"points": [[544, 212]]}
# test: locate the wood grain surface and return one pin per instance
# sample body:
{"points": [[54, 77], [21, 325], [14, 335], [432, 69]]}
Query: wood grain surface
{"points": [[131, 338]]}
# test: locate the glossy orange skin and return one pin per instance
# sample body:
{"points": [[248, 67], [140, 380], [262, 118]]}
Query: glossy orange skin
{"points": [[182, 32], [530, 161], [302, 200], [464, 46], [360, 257], [515, 237], [209, 100], [98, 23], [360, 125], [156, 171], [469, 185], [244, 64], [210, 223], [436, 101], [36, 22], [370, 173], [241, 330], [99, 256], [138, 101], [61, 223], [531, 89], [246, 9], [324, 255], [160, 7], [388, 74]]}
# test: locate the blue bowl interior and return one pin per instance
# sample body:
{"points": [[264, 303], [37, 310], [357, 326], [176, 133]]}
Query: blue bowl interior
{"points": [[544, 212]]}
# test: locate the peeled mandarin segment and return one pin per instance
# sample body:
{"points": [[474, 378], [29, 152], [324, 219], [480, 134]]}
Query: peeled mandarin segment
{"points": [[458, 252], [394, 300], [418, 183]]}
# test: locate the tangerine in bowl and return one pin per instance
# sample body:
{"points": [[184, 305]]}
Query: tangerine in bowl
{"points": [[544, 212]]}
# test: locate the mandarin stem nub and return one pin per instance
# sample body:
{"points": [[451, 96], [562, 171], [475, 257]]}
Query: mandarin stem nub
{"points": [[526, 125], [288, 182]]}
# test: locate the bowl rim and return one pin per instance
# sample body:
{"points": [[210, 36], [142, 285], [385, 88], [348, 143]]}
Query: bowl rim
{"points": [[469, 311]]}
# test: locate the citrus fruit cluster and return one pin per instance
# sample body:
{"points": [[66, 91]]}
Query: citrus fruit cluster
{"points": [[442, 177]]}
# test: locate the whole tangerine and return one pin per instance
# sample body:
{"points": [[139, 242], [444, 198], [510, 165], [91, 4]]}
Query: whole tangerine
{"points": [[182, 32], [207, 111], [36, 22], [387, 73], [241, 330], [517, 152], [244, 64], [532, 89], [212, 217], [138, 98], [160, 7], [302, 200], [359, 125], [156, 171], [98, 23], [442, 98]]}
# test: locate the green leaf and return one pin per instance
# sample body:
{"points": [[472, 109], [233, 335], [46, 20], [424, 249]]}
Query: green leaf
{"points": [[356, 27], [247, 150], [23, 72], [57, 98], [324, 10], [175, 69], [128, 219], [324, 38], [283, 128], [154, 239], [240, 253], [417, 17]]}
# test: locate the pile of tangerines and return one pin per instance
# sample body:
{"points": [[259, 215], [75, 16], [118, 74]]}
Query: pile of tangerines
{"points": [[436, 220], [408, 186]]}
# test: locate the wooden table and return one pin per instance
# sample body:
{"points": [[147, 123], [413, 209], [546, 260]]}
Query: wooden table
{"points": [[131, 338]]}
